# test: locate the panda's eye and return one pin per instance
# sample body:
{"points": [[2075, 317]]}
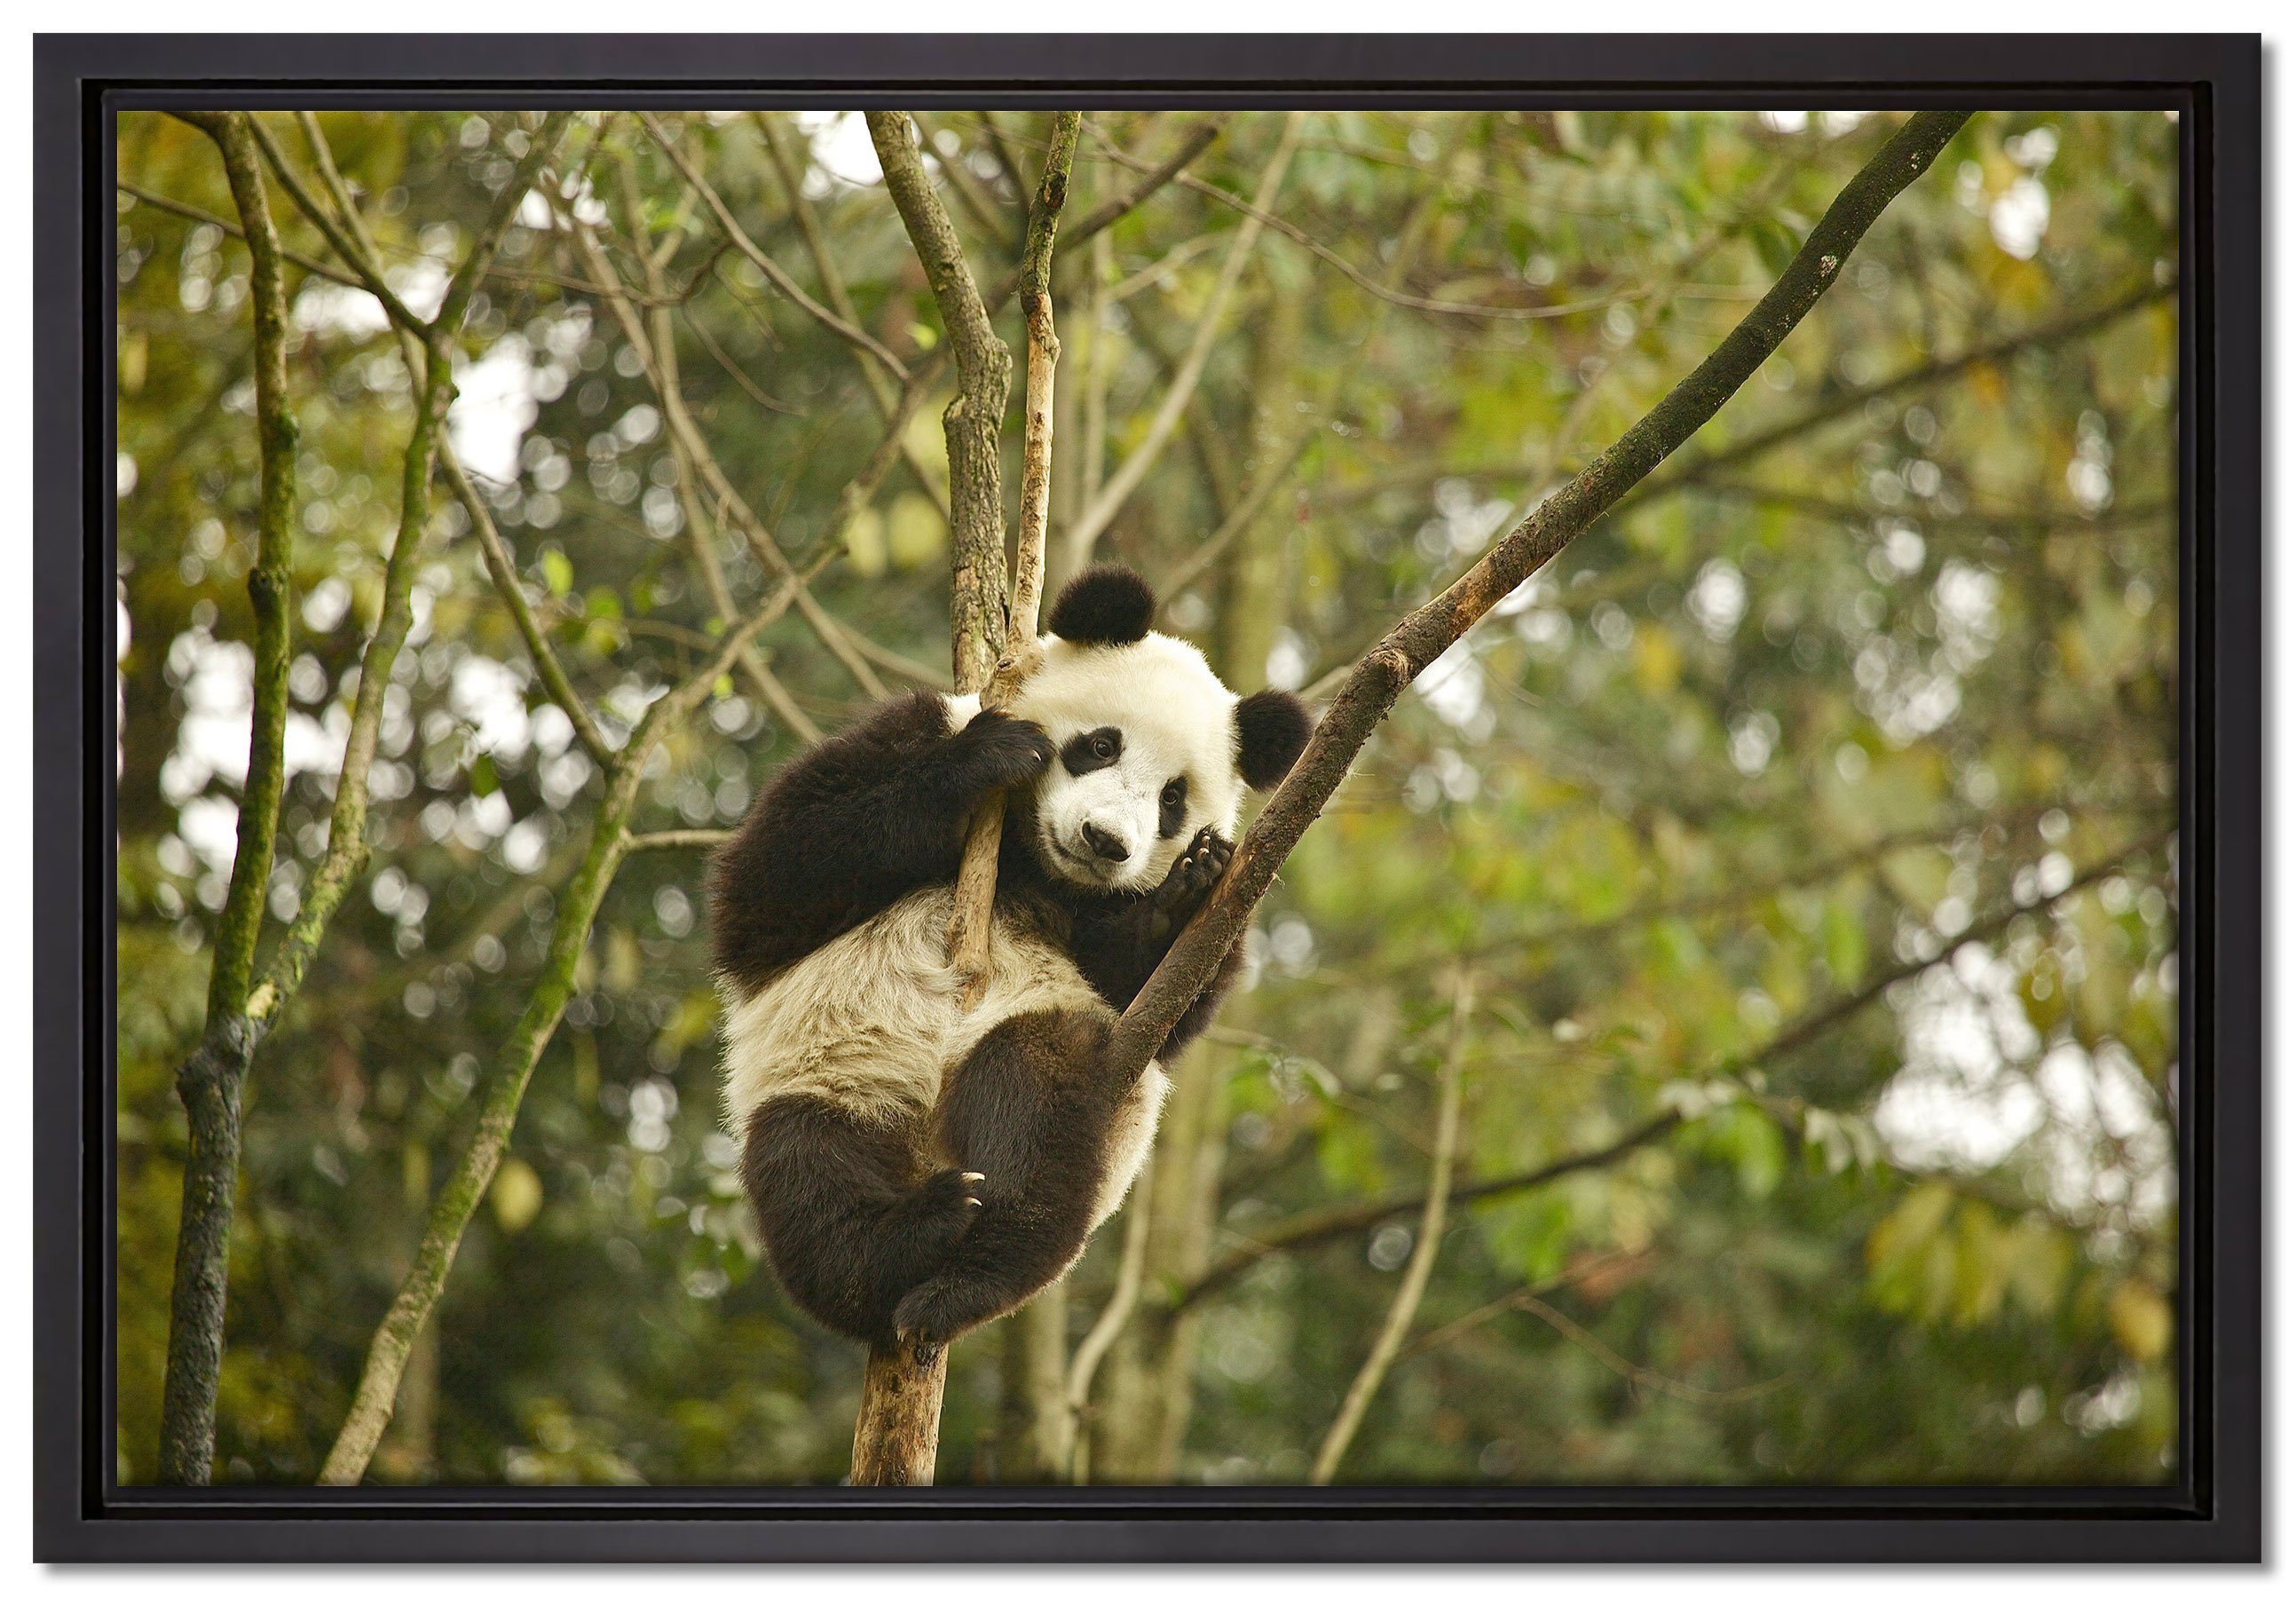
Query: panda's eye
{"points": [[1094, 751], [1175, 807]]}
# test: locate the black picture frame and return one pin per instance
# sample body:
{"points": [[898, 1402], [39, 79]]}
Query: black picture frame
{"points": [[2212, 1513]]}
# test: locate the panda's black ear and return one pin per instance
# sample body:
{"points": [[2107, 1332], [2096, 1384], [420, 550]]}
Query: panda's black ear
{"points": [[1104, 605], [1271, 729]]}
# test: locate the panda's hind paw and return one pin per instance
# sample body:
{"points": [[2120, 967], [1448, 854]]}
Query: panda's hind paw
{"points": [[944, 1206], [936, 1312]]}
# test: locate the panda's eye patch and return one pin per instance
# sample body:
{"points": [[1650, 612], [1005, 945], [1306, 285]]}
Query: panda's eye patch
{"points": [[1092, 751], [1175, 807]]}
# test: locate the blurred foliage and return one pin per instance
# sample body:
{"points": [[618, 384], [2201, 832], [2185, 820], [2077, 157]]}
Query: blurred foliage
{"points": [[1753, 747]]}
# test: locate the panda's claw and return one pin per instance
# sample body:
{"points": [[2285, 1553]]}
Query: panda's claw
{"points": [[944, 1206], [1194, 874]]}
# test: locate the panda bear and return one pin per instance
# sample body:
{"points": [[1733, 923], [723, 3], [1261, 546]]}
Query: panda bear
{"points": [[918, 1169]]}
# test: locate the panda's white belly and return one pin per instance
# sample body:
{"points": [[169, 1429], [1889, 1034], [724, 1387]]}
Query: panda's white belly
{"points": [[870, 1021]]}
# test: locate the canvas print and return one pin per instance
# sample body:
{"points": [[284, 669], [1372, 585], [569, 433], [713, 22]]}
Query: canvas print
{"points": [[1227, 798]]}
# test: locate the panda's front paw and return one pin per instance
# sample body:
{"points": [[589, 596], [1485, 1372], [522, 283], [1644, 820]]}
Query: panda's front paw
{"points": [[996, 751], [1192, 876]]}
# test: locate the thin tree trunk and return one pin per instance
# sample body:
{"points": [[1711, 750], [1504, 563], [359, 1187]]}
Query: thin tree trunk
{"points": [[1151, 1378], [1084, 532], [1412, 1287], [209, 1083], [1132, 1266], [992, 648], [1034, 1438]]}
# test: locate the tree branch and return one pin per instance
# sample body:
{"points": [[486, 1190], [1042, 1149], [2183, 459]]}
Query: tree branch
{"points": [[347, 844], [973, 419], [1131, 1271], [504, 574], [694, 837], [578, 908], [696, 459], [972, 906], [192, 213], [1697, 468], [1336, 1220], [1414, 643]]}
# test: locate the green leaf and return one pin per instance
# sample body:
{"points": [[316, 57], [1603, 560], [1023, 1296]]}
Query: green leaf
{"points": [[558, 572], [1844, 934]]}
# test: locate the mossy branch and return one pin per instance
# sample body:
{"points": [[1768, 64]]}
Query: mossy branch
{"points": [[513, 1067], [209, 1082], [347, 842]]}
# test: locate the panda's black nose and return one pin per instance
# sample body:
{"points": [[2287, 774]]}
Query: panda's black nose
{"points": [[1107, 845]]}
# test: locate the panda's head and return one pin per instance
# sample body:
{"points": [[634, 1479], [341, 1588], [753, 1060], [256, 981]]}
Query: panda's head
{"points": [[1152, 745]]}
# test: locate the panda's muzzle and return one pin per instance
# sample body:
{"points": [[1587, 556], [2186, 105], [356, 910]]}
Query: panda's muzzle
{"points": [[1106, 844]]}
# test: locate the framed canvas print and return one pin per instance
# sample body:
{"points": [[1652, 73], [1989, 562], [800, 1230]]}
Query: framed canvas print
{"points": [[996, 798]]}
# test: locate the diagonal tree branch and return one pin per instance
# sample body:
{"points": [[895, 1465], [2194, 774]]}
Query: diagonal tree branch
{"points": [[1414, 644], [240, 1015], [842, 326], [1703, 466], [192, 213], [504, 574], [515, 1060]]}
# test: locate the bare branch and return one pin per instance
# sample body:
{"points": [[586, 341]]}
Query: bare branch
{"points": [[972, 420], [347, 842], [694, 837], [1085, 531], [504, 575], [1321, 1225], [852, 335], [192, 213], [973, 905], [1699, 467], [1131, 1271]]}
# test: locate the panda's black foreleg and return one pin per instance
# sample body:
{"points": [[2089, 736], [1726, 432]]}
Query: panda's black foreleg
{"points": [[1118, 943], [1031, 1109], [848, 1227], [857, 822]]}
